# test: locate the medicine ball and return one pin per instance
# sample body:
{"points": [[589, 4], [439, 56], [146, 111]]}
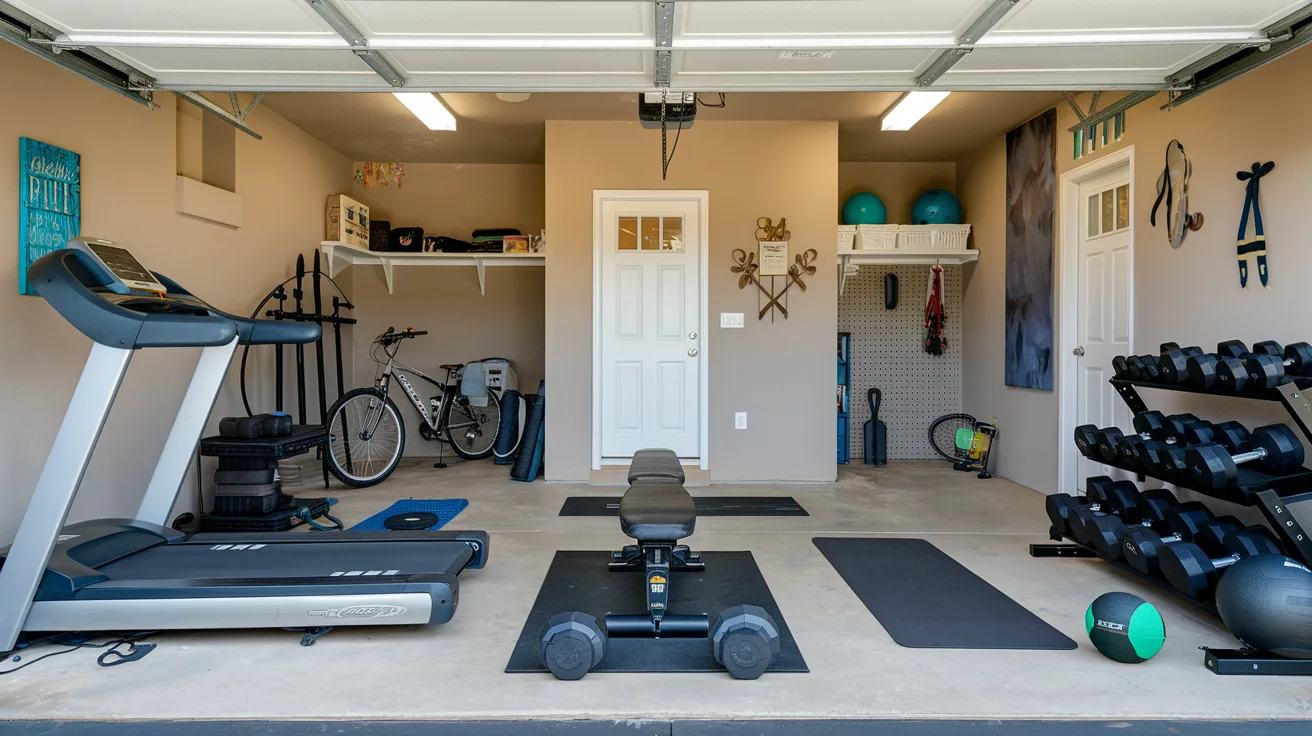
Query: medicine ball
{"points": [[1125, 627], [936, 207], [864, 208], [1266, 602]]}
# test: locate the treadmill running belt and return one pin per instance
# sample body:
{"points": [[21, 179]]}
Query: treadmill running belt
{"points": [[313, 559]]}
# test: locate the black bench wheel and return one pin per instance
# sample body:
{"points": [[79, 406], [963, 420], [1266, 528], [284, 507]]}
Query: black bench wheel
{"points": [[745, 640], [571, 645]]}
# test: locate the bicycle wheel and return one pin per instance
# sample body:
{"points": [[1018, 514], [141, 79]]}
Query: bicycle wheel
{"points": [[472, 430], [943, 435], [365, 437]]}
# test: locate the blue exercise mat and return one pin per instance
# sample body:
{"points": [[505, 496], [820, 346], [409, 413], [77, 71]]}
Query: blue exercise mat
{"points": [[445, 508]]}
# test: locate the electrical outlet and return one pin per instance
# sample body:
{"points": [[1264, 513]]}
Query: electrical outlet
{"points": [[731, 320], [740, 420]]}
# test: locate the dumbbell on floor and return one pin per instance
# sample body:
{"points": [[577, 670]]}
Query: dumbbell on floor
{"points": [[1192, 571], [1213, 467], [1188, 522]]}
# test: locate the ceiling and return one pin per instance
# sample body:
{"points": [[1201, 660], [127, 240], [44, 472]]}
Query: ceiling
{"points": [[618, 45], [377, 127]]}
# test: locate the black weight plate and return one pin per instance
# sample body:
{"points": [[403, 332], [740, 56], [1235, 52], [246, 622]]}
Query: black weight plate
{"points": [[410, 522]]}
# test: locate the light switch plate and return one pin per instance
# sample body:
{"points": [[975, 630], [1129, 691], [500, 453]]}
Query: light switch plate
{"points": [[732, 320], [740, 420]]}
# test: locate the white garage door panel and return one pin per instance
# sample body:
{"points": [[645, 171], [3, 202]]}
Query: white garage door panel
{"points": [[1145, 15], [503, 18], [798, 17], [228, 16], [1051, 79], [244, 60], [850, 60], [509, 62], [1158, 58]]}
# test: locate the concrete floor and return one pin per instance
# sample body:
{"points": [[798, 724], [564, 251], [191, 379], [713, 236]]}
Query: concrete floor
{"points": [[857, 671]]}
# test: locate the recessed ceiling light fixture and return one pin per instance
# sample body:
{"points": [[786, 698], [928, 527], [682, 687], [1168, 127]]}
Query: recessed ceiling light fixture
{"points": [[429, 109], [910, 109]]}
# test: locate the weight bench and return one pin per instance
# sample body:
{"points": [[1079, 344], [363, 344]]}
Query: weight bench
{"points": [[657, 512]]}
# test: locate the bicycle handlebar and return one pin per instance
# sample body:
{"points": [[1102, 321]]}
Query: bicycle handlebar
{"points": [[391, 335]]}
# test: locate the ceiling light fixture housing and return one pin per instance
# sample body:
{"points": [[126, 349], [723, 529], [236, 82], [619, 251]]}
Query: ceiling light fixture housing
{"points": [[429, 109], [910, 109]]}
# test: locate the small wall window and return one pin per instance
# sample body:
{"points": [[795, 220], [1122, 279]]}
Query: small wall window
{"points": [[649, 233]]}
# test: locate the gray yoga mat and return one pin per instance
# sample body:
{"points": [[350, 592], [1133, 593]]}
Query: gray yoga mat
{"points": [[925, 599]]}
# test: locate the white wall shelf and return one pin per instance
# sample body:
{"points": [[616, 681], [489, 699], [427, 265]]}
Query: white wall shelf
{"points": [[340, 256], [848, 259]]}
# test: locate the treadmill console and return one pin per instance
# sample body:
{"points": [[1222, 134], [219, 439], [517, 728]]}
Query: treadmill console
{"points": [[127, 273]]}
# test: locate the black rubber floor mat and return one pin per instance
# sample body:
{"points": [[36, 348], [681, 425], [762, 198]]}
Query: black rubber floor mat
{"points": [[580, 581], [925, 599], [706, 506]]}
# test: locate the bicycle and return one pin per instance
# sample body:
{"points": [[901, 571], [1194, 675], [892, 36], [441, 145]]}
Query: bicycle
{"points": [[367, 434]]}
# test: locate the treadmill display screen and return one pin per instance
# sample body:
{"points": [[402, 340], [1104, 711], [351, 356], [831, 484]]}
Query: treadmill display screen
{"points": [[125, 267]]}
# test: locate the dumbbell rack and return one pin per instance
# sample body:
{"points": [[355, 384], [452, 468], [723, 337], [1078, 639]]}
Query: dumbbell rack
{"points": [[1273, 495]]}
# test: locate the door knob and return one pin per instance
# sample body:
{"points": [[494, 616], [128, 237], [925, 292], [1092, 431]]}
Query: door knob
{"points": [[692, 335], [692, 352], [1078, 351]]}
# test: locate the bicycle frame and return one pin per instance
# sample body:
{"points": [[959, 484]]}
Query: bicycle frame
{"points": [[395, 368]]}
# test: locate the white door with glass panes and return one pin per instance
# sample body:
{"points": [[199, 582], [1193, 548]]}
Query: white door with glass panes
{"points": [[650, 282], [1105, 281]]}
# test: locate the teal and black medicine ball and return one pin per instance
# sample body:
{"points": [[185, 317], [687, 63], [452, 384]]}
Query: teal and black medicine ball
{"points": [[1125, 627]]}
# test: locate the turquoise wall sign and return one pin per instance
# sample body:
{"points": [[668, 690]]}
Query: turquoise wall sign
{"points": [[49, 202]]}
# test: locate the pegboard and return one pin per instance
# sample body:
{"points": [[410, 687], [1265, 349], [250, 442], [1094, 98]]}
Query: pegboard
{"points": [[888, 354]]}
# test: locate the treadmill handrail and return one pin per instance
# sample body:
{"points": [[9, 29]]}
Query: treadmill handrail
{"points": [[66, 280], [251, 331]]}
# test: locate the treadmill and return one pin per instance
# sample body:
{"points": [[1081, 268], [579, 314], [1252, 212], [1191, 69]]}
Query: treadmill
{"points": [[138, 574]]}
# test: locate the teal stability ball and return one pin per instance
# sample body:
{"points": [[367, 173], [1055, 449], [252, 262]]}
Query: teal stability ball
{"points": [[1125, 627], [936, 207], [864, 208]]}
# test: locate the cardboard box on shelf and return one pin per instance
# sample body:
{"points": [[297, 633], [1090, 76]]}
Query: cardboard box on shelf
{"points": [[347, 221]]}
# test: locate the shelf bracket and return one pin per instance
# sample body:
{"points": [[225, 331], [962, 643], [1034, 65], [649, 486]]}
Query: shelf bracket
{"points": [[481, 265], [387, 274]]}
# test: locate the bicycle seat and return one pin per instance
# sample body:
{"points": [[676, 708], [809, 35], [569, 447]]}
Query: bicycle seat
{"points": [[452, 366]]}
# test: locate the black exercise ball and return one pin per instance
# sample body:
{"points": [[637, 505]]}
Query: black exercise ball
{"points": [[1266, 602], [1125, 627]]}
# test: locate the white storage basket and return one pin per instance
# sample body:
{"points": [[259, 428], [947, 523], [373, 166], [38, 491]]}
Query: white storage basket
{"points": [[949, 237], [878, 237], [915, 237], [846, 237]]}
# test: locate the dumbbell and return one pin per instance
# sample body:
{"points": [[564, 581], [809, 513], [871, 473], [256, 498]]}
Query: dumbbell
{"points": [[1173, 365], [1269, 363], [1124, 503], [1151, 426], [1213, 467], [1195, 573], [1061, 506], [1233, 436], [1141, 547], [1143, 367], [1104, 529], [1202, 368], [1120, 367]]}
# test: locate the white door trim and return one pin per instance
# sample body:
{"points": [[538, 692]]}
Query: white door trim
{"points": [[703, 199], [1068, 270]]}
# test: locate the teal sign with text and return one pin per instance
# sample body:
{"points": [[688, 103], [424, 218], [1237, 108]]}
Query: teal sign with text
{"points": [[49, 202]]}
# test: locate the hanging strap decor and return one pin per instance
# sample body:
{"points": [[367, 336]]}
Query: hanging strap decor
{"points": [[1173, 188], [935, 317], [1255, 245]]}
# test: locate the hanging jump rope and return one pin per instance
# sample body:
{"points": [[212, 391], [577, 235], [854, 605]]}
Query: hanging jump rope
{"points": [[935, 317]]}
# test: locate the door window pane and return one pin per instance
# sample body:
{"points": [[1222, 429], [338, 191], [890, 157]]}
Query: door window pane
{"points": [[628, 235], [1122, 206], [671, 233], [1108, 211], [651, 233], [1093, 215]]}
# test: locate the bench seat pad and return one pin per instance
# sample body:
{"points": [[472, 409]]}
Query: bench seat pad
{"points": [[656, 509], [655, 463]]}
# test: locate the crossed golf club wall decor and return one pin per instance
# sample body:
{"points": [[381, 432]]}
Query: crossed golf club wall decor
{"points": [[745, 264]]}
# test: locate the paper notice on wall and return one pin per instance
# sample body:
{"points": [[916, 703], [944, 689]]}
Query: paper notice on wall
{"points": [[773, 258]]}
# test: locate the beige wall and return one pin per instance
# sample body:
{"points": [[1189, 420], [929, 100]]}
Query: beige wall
{"points": [[1190, 295], [128, 169], [453, 200], [897, 183], [781, 374]]}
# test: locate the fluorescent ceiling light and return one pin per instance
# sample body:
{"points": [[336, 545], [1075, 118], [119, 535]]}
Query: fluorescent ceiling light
{"points": [[813, 42], [201, 39], [910, 109], [512, 43], [1128, 37], [429, 109]]}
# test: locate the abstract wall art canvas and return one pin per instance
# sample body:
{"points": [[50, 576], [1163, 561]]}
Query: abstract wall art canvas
{"points": [[1031, 199]]}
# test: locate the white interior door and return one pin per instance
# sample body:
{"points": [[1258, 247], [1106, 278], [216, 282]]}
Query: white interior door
{"points": [[1104, 303], [650, 326]]}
